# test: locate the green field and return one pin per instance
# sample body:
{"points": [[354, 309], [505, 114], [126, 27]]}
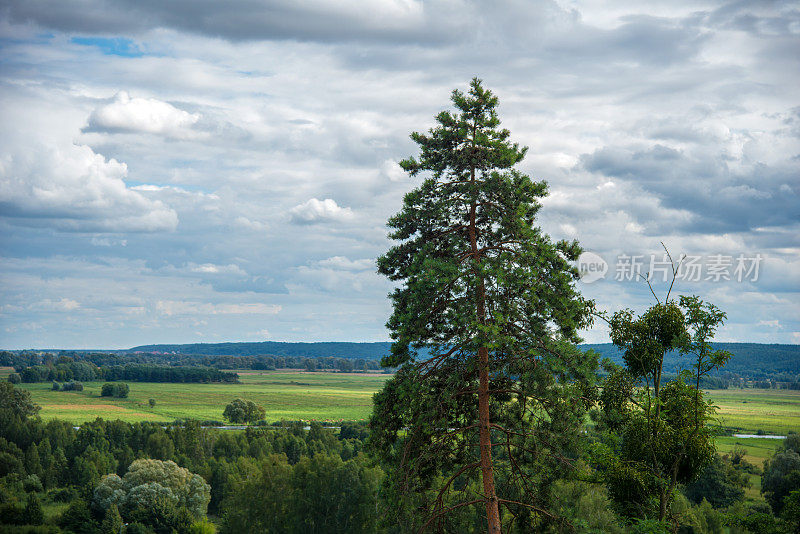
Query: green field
{"points": [[775, 411], [335, 396], [284, 395]]}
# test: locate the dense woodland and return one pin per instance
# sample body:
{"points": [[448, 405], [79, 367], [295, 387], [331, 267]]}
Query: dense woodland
{"points": [[291, 478], [72, 365], [62, 369]]}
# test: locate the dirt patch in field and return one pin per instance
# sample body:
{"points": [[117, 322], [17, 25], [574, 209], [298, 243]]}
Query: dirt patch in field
{"points": [[110, 407], [92, 408]]}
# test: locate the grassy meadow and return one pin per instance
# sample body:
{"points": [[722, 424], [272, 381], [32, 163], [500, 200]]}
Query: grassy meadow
{"points": [[774, 411], [283, 394], [294, 394]]}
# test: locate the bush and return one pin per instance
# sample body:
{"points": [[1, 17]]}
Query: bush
{"points": [[202, 527], [62, 494], [137, 528], [32, 483], [243, 411], [119, 390], [14, 378], [11, 514], [72, 385], [77, 517], [34, 515]]}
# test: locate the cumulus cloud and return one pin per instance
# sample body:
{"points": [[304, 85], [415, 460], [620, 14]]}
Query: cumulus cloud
{"points": [[74, 189], [392, 171], [142, 115], [315, 210]]}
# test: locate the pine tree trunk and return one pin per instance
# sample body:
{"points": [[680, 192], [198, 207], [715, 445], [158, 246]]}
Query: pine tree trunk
{"points": [[487, 470]]}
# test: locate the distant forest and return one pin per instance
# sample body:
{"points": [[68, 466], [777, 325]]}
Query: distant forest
{"points": [[752, 364]]}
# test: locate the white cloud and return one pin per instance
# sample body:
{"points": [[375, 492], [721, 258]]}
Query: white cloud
{"points": [[182, 307], [315, 210], [143, 115], [61, 305], [210, 268], [74, 189], [392, 171], [345, 264]]}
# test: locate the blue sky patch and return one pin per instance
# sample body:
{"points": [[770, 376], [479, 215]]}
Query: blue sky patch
{"points": [[111, 46]]}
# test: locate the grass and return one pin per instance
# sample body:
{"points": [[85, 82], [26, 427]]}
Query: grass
{"points": [[324, 395], [775, 411], [284, 395]]}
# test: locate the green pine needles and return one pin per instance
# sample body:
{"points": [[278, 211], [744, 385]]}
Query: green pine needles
{"points": [[485, 409]]}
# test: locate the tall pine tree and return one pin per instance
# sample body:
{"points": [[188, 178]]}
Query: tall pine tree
{"points": [[489, 396]]}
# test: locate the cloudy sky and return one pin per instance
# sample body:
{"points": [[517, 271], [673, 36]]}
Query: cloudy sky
{"points": [[222, 171]]}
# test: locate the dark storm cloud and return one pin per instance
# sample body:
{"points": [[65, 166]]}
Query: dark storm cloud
{"points": [[386, 22], [719, 199]]}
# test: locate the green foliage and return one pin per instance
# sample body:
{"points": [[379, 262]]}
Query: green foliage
{"points": [[719, 484], [15, 403], [584, 507], [118, 390], [781, 477], [319, 494], [243, 411], [151, 489], [14, 378], [32, 483], [78, 518], [112, 522], [664, 430], [203, 526], [486, 303]]}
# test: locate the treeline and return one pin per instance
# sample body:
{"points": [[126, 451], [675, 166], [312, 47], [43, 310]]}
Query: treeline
{"points": [[260, 362], [65, 370], [347, 350], [752, 365], [292, 478]]}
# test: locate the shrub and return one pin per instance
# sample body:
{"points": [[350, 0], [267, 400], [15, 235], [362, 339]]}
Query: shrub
{"points": [[243, 411], [32, 483], [34, 515], [119, 390], [202, 527]]}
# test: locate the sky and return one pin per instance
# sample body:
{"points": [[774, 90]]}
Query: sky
{"points": [[199, 171]]}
